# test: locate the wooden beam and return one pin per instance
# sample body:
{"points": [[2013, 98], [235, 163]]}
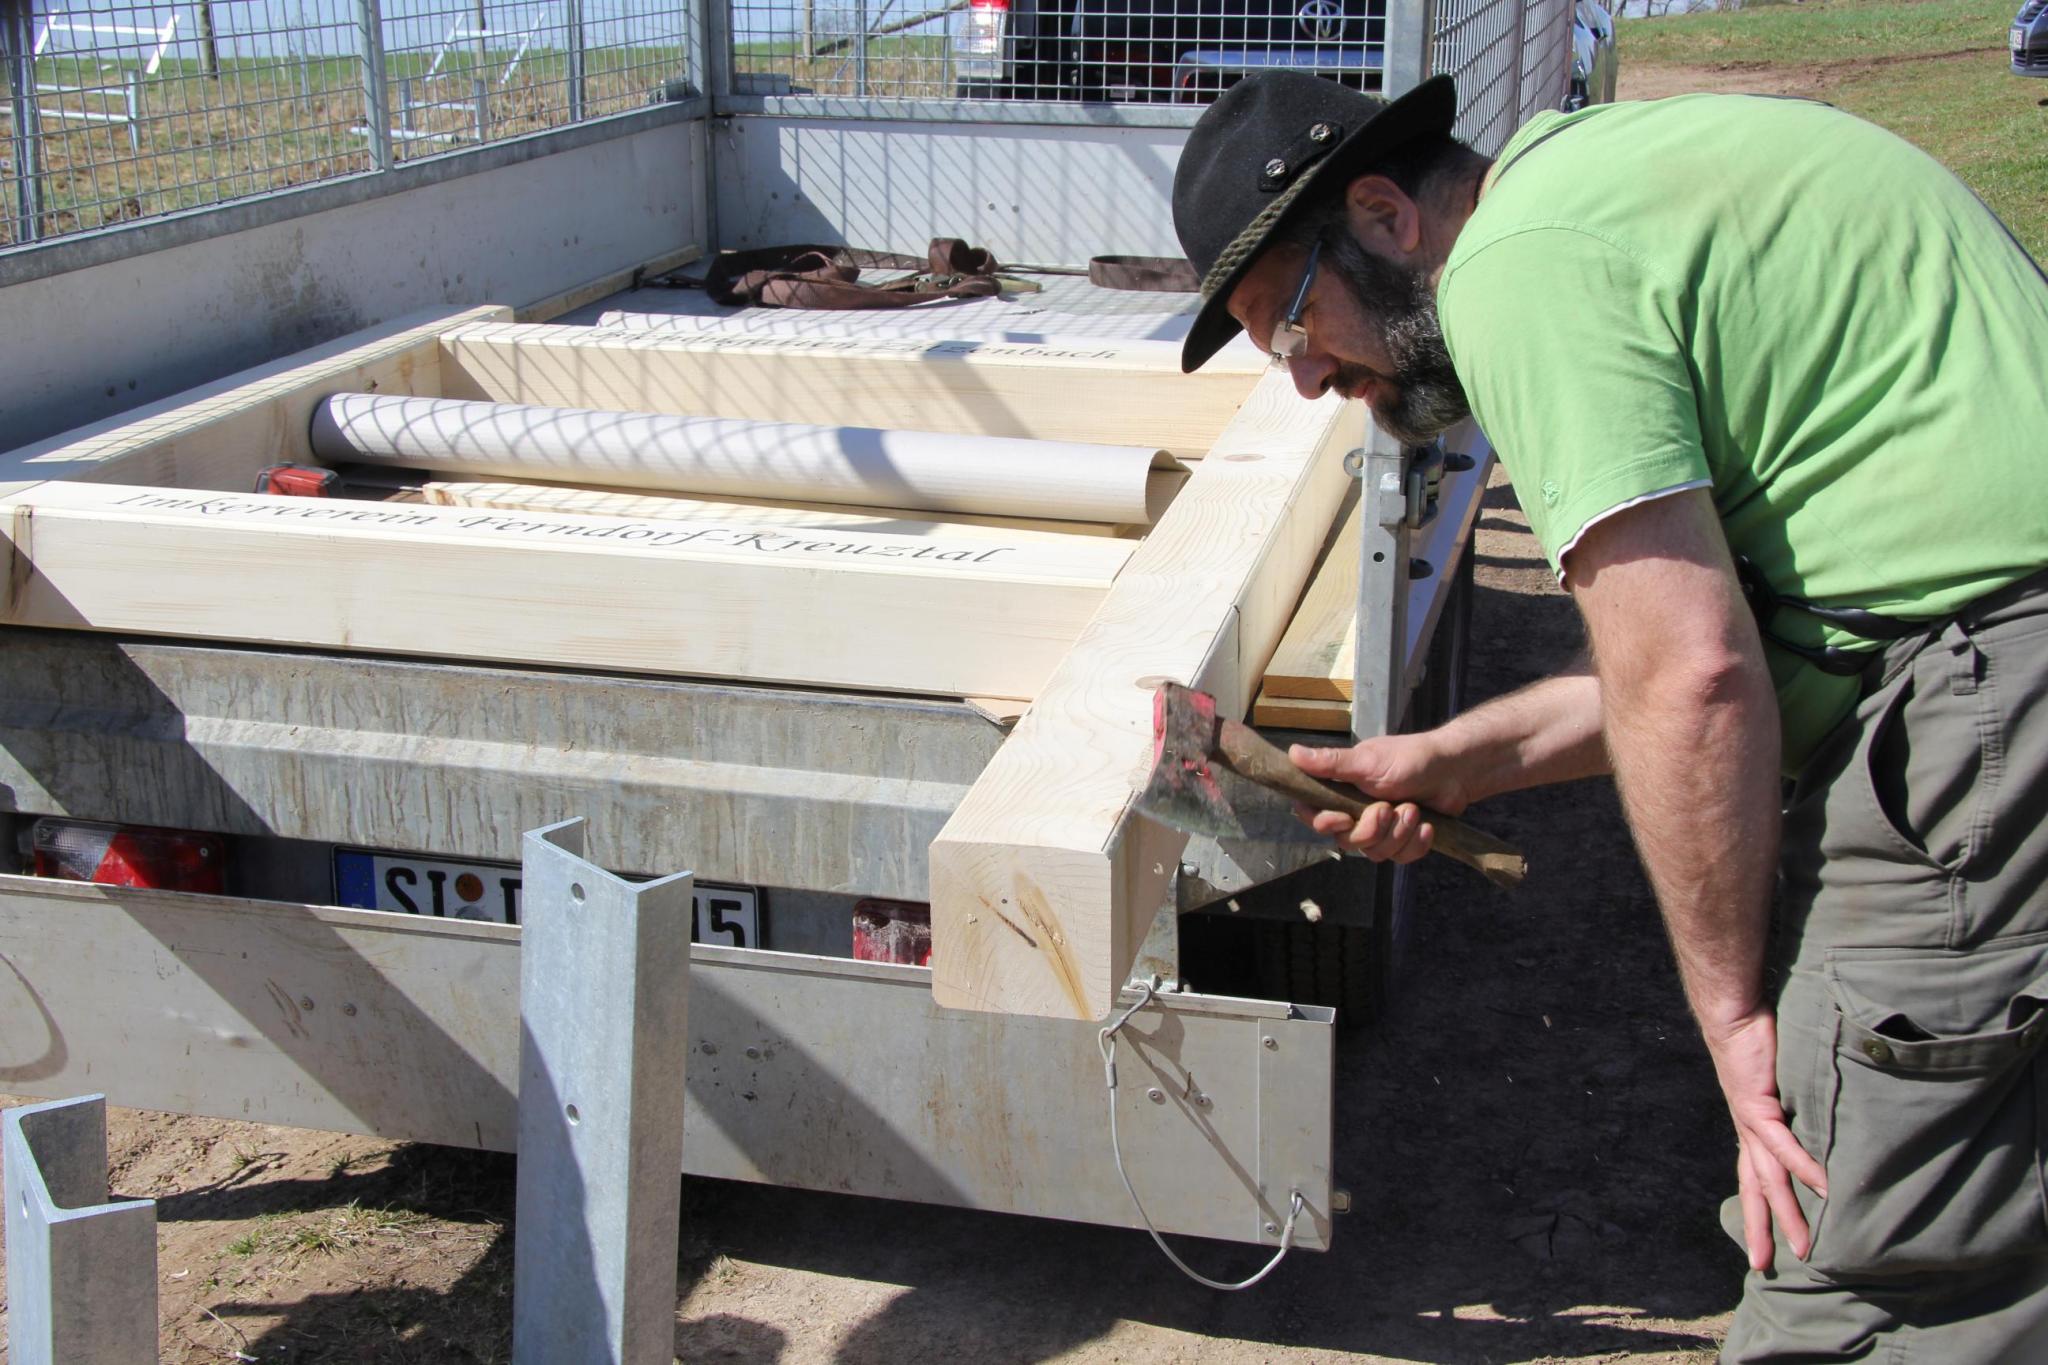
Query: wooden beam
{"points": [[1300, 713], [1045, 879], [816, 516], [947, 615], [1317, 657], [218, 435], [1104, 392], [1314, 659]]}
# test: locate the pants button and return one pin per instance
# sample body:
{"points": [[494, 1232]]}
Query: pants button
{"points": [[1877, 1051]]}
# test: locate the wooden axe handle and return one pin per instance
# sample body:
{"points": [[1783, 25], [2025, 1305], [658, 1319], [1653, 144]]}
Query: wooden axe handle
{"points": [[1250, 755]]}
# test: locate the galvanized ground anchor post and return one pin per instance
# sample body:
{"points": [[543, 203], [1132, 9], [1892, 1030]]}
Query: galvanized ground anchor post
{"points": [[604, 1015], [81, 1271]]}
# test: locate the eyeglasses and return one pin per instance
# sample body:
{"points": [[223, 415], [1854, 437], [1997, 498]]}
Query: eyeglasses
{"points": [[1290, 338]]}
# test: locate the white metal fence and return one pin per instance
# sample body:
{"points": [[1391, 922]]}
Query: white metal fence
{"points": [[126, 109], [1510, 58], [1098, 51], [123, 109]]}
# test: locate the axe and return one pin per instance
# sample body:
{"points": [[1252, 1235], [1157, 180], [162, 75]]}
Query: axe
{"points": [[1188, 736]]}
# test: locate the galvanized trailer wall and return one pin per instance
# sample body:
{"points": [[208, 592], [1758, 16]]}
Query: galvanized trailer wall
{"points": [[288, 258]]}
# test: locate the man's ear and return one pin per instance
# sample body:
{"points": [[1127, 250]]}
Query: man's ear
{"points": [[1382, 217]]}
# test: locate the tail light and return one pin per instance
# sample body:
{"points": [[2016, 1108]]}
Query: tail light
{"points": [[892, 931], [128, 855], [979, 48]]}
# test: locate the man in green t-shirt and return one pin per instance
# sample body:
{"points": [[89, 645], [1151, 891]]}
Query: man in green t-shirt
{"points": [[1769, 383]]}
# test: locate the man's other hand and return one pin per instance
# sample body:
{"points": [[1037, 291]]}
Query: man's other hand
{"points": [[1745, 1056]]}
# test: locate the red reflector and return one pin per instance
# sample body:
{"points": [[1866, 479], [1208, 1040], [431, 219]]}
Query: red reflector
{"points": [[1003, 5], [892, 931], [128, 855]]}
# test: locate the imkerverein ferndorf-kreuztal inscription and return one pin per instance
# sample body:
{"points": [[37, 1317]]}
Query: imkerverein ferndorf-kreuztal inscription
{"points": [[571, 528]]}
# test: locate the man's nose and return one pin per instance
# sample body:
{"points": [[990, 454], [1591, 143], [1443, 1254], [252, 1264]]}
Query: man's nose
{"points": [[1312, 373]]}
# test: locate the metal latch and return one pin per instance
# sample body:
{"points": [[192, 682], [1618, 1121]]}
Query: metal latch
{"points": [[1409, 496], [1425, 483]]}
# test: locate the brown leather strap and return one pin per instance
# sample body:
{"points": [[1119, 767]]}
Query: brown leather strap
{"points": [[829, 276], [1161, 274]]}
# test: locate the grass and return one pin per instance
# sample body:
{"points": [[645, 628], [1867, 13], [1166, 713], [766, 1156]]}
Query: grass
{"points": [[328, 1233], [913, 66], [268, 124], [1933, 71]]}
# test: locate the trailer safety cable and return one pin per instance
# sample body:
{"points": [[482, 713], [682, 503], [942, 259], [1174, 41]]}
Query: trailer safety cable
{"points": [[1106, 1039]]}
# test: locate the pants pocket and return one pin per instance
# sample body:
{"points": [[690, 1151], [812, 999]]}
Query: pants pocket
{"points": [[1934, 1132], [1924, 766]]}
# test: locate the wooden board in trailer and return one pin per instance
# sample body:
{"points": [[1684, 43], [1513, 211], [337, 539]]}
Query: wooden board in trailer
{"points": [[1114, 393], [950, 615]]}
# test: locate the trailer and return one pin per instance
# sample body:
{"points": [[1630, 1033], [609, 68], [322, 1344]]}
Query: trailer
{"points": [[267, 764]]}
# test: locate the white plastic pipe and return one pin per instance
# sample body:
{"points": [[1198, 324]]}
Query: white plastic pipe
{"points": [[855, 466]]}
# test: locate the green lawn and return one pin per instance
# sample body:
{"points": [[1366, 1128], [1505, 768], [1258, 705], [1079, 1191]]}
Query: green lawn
{"points": [[1933, 71]]}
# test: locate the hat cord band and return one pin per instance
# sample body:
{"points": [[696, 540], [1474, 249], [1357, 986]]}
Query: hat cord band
{"points": [[1246, 242]]}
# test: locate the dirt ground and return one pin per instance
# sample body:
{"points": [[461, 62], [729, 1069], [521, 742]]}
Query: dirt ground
{"points": [[1533, 1140], [1807, 81]]}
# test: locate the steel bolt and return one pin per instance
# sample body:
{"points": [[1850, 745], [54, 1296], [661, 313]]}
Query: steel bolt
{"points": [[1156, 1095], [754, 1054], [349, 1010], [1203, 1101], [1272, 1229], [305, 1002], [1270, 1044]]}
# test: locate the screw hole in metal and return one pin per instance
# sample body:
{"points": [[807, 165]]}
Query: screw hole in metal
{"points": [[569, 1110], [576, 892]]}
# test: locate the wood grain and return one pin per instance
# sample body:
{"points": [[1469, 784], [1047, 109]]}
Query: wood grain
{"points": [[1315, 658], [1301, 713], [819, 516], [1045, 879], [1102, 392], [950, 616]]}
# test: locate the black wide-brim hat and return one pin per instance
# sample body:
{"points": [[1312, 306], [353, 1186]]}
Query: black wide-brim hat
{"points": [[1274, 145]]}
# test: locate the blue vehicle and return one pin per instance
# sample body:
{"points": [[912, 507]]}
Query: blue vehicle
{"points": [[2030, 39]]}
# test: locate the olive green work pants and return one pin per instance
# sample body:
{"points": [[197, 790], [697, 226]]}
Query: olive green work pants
{"points": [[1911, 961]]}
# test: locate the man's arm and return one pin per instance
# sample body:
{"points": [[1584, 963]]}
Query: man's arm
{"points": [[1546, 732], [1692, 728]]}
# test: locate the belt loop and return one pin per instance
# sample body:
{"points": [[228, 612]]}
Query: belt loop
{"points": [[1898, 656], [1969, 660]]}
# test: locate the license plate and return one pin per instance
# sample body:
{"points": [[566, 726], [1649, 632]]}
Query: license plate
{"points": [[489, 892]]}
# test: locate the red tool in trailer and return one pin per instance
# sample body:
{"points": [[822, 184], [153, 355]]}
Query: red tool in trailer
{"points": [[297, 481]]}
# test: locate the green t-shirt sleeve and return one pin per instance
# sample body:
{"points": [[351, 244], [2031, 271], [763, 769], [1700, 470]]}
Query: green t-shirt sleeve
{"points": [[1569, 353]]}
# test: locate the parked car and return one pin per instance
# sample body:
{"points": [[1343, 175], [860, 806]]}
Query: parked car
{"points": [[1595, 61], [2030, 39], [1159, 50]]}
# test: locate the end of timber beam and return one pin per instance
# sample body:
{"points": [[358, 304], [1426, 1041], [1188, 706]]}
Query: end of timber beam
{"points": [[1045, 879]]}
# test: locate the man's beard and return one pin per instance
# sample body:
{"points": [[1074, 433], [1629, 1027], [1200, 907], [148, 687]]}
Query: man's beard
{"points": [[1399, 303]]}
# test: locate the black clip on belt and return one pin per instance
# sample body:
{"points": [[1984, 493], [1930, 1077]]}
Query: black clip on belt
{"points": [[1764, 602]]}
